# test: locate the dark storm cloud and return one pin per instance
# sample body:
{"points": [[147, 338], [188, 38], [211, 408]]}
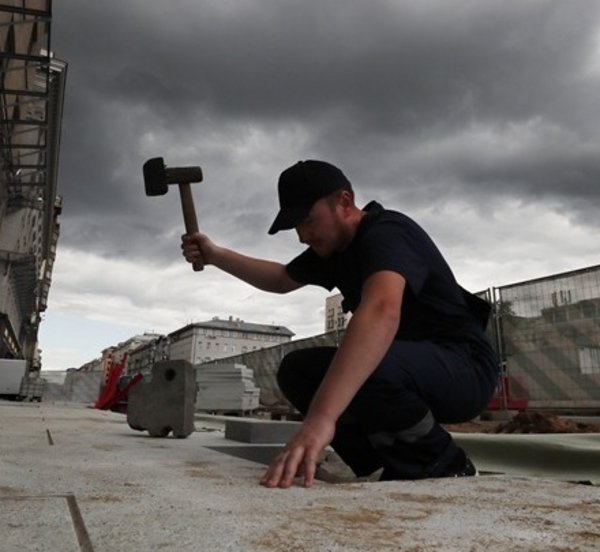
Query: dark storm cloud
{"points": [[373, 85], [388, 62], [476, 117]]}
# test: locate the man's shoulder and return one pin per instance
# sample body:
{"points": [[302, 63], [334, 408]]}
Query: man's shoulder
{"points": [[378, 215]]}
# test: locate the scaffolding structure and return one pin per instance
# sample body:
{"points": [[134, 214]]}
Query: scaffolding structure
{"points": [[32, 83]]}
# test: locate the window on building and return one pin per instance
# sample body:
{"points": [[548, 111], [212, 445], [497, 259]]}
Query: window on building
{"points": [[589, 360], [588, 309]]}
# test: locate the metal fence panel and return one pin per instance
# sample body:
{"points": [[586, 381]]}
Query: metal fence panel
{"points": [[546, 333], [550, 339]]}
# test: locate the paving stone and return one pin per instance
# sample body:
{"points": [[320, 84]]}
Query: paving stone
{"points": [[164, 402], [252, 430]]}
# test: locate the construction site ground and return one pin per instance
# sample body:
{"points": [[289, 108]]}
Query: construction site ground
{"points": [[77, 479]]}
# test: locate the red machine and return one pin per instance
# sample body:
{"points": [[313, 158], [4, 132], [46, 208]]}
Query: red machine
{"points": [[113, 395]]}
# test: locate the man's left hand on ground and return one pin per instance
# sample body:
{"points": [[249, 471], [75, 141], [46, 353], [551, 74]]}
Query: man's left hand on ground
{"points": [[299, 456]]}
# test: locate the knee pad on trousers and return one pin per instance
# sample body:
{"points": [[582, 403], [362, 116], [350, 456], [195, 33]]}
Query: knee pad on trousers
{"points": [[287, 372]]}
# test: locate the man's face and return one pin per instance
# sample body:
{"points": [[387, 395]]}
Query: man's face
{"points": [[323, 229]]}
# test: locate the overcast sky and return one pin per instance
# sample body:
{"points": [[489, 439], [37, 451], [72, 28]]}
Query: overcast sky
{"points": [[479, 119]]}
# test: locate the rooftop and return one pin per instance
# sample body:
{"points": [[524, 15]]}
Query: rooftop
{"points": [[237, 324]]}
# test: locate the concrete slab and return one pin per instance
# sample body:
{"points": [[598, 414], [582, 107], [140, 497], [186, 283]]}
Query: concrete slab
{"points": [[252, 430], [30, 520], [135, 492]]}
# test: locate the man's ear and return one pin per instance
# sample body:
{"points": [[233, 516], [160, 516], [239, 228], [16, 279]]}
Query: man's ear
{"points": [[346, 200]]}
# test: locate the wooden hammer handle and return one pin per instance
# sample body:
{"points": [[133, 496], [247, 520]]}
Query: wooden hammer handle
{"points": [[189, 216]]}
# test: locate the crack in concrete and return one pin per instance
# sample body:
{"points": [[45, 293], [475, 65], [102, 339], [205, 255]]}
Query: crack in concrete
{"points": [[83, 538]]}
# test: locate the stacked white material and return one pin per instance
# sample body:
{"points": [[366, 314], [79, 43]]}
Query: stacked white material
{"points": [[32, 389], [226, 388]]}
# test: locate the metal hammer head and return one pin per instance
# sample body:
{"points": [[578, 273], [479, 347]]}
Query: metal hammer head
{"points": [[157, 177]]}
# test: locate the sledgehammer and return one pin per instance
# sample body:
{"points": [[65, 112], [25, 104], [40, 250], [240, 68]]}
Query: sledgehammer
{"points": [[157, 178]]}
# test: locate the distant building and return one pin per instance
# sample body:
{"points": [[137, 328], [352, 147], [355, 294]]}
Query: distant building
{"points": [[115, 354], [32, 83], [146, 355], [91, 366], [335, 317], [205, 341]]}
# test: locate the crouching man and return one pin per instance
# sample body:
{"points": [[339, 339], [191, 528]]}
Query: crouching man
{"points": [[414, 354]]}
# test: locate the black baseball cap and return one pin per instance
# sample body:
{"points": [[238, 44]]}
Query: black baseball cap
{"points": [[300, 186]]}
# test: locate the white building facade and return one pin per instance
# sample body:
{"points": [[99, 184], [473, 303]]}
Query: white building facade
{"points": [[335, 317], [205, 341]]}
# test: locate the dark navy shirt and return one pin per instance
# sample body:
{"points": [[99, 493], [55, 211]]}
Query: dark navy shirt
{"points": [[434, 306]]}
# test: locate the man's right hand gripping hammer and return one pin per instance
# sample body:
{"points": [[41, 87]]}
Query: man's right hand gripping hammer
{"points": [[157, 178], [195, 248]]}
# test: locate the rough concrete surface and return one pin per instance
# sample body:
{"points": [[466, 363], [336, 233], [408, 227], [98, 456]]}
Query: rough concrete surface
{"points": [[116, 489]]}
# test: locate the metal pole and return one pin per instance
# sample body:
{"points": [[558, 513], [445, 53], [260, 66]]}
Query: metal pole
{"points": [[497, 314]]}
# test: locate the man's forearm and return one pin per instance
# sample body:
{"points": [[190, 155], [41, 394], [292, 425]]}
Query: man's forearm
{"points": [[262, 274]]}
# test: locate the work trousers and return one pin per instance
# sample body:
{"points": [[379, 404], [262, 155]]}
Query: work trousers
{"points": [[394, 419]]}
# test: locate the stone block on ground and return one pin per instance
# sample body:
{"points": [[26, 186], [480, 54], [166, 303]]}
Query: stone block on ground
{"points": [[251, 430], [164, 402]]}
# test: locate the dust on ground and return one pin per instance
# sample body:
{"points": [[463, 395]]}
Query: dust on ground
{"points": [[526, 422]]}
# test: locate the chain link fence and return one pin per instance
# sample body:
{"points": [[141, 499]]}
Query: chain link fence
{"points": [[547, 335]]}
